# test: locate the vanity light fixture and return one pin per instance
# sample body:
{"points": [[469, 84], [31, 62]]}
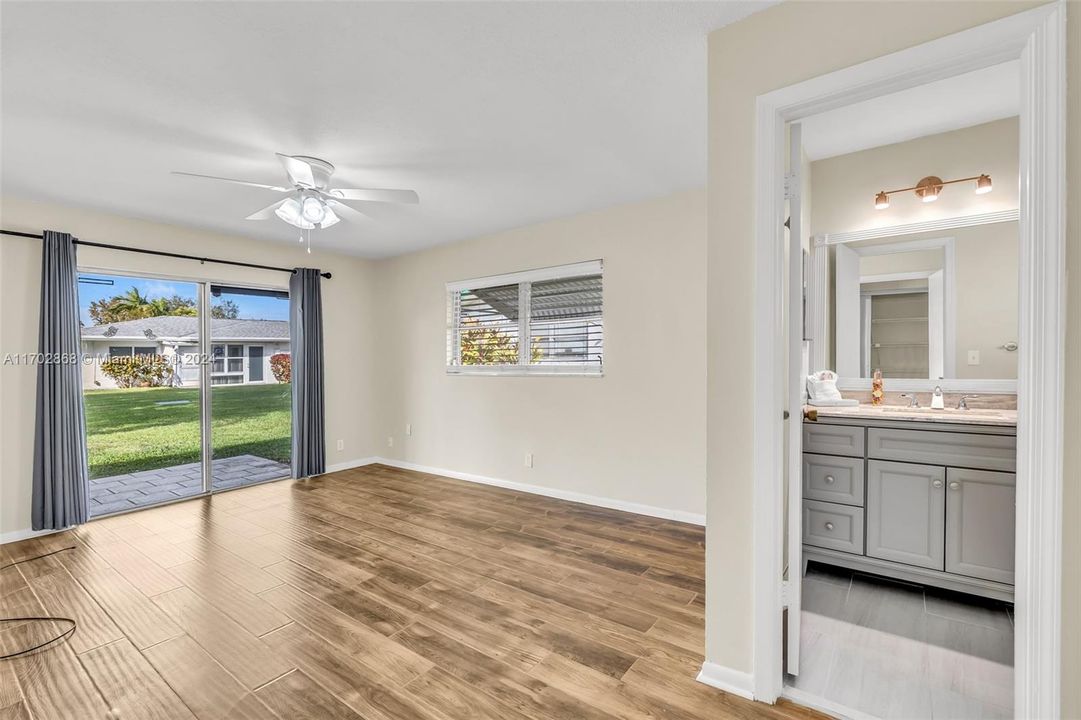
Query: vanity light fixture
{"points": [[929, 188]]}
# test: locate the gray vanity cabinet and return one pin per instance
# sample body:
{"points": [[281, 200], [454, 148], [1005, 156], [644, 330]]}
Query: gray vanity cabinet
{"points": [[921, 502], [906, 513], [980, 515]]}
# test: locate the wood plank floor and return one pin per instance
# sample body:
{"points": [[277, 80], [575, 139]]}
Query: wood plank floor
{"points": [[371, 593]]}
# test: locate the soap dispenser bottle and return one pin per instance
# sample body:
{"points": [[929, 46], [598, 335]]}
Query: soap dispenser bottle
{"points": [[938, 402]]}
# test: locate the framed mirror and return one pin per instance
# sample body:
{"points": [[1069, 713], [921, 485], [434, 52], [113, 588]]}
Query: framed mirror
{"points": [[925, 307]]}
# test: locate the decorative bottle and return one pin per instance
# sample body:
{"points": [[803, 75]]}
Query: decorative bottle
{"points": [[876, 388]]}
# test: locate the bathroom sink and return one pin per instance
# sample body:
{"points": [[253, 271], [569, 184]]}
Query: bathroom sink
{"points": [[933, 411]]}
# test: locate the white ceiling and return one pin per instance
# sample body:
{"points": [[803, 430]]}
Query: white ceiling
{"points": [[497, 114], [958, 102]]}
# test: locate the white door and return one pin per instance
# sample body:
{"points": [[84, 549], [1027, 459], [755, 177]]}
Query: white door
{"points": [[796, 383]]}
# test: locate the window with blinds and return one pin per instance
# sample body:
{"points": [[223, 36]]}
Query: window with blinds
{"points": [[544, 321]]}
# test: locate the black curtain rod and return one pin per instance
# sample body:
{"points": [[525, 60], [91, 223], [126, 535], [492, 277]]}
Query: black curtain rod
{"points": [[163, 254]]}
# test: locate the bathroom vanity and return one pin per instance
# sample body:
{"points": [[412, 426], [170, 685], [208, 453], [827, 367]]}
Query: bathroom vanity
{"points": [[921, 495]]}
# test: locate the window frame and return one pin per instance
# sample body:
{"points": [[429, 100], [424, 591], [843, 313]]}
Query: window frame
{"points": [[524, 280]]}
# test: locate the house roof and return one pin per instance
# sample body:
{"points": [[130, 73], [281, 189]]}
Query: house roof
{"points": [[187, 328]]}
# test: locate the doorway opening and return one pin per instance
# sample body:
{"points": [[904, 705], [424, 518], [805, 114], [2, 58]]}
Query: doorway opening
{"points": [[1036, 39], [182, 390]]}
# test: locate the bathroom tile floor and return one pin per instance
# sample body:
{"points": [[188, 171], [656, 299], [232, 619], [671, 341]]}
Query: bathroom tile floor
{"points": [[895, 650]]}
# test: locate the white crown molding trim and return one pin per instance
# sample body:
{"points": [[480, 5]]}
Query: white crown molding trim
{"points": [[734, 682], [961, 221], [1038, 38], [25, 534], [597, 501]]}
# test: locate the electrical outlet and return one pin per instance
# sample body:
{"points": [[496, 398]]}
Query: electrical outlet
{"points": [[390, 441], [973, 357], [409, 428], [529, 460], [341, 445]]}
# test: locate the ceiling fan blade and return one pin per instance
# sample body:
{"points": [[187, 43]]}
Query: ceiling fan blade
{"points": [[299, 171], [231, 180], [376, 195], [348, 213], [267, 212]]}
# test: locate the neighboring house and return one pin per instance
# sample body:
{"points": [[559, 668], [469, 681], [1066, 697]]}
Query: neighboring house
{"points": [[240, 349]]}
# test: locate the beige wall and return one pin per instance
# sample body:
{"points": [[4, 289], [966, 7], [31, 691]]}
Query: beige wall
{"points": [[824, 36], [348, 307], [635, 435], [845, 186]]}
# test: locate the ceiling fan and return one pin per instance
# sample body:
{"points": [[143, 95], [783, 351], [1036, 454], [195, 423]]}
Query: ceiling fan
{"points": [[312, 203]]}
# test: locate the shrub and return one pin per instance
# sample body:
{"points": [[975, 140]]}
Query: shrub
{"points": [[281, 364], [138, 370]]}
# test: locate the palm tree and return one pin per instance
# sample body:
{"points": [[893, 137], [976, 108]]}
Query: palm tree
{"points": [[132, 304]]}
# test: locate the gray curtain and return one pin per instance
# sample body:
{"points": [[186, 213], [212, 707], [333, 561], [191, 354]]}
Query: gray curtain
{"points": [[306, 347], [61, 494]]}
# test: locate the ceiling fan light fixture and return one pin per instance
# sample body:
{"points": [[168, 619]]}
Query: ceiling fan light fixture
{"points": [[290, 212], [313, 210], [983, 184], [882, 200], [329, 218]]}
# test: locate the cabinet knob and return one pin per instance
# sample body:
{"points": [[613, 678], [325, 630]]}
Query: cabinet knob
{"points": [[829, 526], [955, 486], [936, 483], [829, 480]]}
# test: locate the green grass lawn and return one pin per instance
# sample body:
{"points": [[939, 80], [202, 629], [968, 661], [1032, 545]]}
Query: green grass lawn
{"points": [[130, 430]]}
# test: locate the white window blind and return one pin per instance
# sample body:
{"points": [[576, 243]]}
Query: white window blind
{"points": [[559, 310]]}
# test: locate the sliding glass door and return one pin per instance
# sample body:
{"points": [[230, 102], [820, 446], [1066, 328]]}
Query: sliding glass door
{"points": [[186, 388], [140, 341], [250, 413]]}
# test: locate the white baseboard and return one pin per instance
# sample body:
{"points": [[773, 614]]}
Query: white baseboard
{"points": [[724, 678], [637, 508], [350, 464], [24, 534]]}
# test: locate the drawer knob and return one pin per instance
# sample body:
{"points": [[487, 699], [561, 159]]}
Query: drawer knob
{"points": [[829, 479], [829, 526], [955, 486], [937, 484]]}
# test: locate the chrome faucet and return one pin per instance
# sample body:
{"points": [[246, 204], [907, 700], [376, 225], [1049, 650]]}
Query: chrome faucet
{"points": [[912, 401], [962, 404]]}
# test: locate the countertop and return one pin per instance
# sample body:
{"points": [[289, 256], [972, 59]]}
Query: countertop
{"points": [[972, 416]]}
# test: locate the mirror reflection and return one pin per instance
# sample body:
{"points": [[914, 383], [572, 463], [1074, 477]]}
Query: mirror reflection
{"points": [[927, 307]]}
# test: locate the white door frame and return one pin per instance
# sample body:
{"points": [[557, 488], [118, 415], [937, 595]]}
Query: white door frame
{"points": [[1038, 38]]}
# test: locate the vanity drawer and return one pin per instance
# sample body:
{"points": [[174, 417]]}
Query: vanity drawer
{"points": [[833, 439], [930, 447], [832, 526], [833, 479]]}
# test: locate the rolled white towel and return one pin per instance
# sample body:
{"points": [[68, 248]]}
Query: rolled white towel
{"points": [[822, 385]]}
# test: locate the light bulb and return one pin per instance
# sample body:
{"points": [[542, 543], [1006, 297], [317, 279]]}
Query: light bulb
{"points": [[329, 219], [312, 210], [930, 197], [882, 201], [983, 184], [289, 211]]}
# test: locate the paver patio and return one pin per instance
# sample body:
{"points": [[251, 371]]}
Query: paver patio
{"points": [[125, 492]]}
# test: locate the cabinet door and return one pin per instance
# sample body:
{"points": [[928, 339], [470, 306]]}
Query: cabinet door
{"points": [[906, 509], [980, 512]]}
